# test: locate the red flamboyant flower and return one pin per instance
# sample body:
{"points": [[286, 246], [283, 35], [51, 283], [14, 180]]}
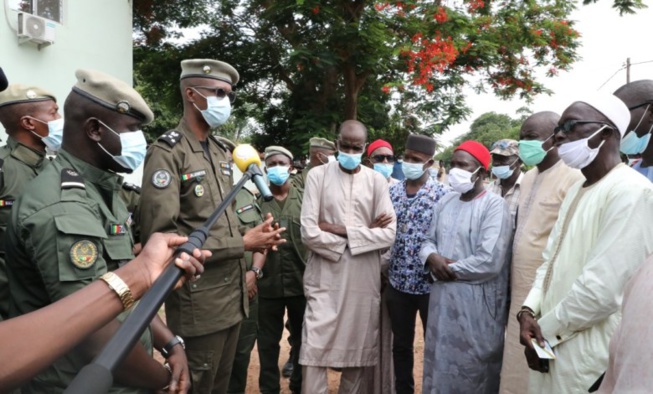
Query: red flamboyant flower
{"points": [[386, 89], [475, 5], [441, 15], [316, 9]]}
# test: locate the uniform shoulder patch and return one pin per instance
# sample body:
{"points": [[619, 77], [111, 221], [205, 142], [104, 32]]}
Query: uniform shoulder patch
{"points": [[171, 137], [161, 178], [83, 254], [131, 187], [70, 179]]}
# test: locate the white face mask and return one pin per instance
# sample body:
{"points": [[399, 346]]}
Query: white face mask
{"points": [[578, 154], [461, 180]]}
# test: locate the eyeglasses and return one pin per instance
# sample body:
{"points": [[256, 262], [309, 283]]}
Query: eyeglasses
{"points": [[380, 158], [219, 92], [569, 125]]}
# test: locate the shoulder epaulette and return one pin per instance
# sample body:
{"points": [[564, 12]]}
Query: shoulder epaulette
{"points": [[131, 187], [70, 179], [220, 143], [171, 137]]}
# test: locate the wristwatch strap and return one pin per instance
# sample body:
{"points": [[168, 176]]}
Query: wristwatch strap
{"points": [[176, 340], [120, 287]]}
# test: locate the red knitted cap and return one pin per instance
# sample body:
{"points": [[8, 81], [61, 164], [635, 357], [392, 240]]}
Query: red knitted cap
{"points": [[378, 144], [478, 150]]}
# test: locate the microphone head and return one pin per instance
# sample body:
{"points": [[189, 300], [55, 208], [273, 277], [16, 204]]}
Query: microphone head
{"points": [[244, 155], [3, 80]]}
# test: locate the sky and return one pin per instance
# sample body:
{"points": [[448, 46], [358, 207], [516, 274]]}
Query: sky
{"points": [[607, 39]]}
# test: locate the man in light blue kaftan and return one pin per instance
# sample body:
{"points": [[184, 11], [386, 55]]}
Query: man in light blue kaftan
{"points": [[467, 253]]}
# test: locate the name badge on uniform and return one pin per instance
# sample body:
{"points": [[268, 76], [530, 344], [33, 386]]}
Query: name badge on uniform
{"points": [[193, 175], [225, 168], [118, 229]]}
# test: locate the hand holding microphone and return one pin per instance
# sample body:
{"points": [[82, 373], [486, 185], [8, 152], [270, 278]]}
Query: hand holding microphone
{"points": [[266, 235], [246, 159]]}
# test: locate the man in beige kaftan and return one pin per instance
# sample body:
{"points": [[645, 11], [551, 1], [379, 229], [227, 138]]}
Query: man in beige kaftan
{"points": [[347, 221], [542, 190]]}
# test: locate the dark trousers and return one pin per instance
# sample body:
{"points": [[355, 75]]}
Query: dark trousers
{"points": [[246, 340], [271, 313], [403, 308]]}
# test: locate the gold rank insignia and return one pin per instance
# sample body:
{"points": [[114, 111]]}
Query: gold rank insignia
{"points": [[83, 254], [199, 190]]}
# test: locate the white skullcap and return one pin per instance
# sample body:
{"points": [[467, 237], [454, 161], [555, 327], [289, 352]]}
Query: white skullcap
{"points": [[612, 107]]}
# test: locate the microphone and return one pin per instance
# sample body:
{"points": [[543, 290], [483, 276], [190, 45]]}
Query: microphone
{"points": [[3, 80], [246, 159]]}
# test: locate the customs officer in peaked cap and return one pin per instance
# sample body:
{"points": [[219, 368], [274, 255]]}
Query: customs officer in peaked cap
{"points": [[187, 175], [70, 227]]}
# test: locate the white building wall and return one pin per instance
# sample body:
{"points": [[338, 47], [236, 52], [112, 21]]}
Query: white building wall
{"points": [[95, 34]]}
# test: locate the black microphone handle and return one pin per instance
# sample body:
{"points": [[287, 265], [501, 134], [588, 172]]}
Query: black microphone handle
{"points": [[257, 177], [95, 378]]}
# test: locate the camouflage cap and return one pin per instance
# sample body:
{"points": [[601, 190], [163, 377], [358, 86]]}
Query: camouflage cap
{"points": [[318, 142], [208, 68], [112, 93], [275, 150], [19, 94], [505, 147]]}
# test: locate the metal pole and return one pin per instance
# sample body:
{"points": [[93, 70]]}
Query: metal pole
{"points": [[96, 377], [627, 70]]}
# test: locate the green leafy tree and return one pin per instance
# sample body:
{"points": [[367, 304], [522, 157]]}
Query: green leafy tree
{"points": [[306, 65]]}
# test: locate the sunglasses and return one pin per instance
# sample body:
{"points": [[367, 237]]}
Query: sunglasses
{"points": [[219, 92], [381, 158], [569, 125]]}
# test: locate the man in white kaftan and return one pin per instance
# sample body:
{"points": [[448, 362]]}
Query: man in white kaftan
{"points": [[347, 221], [602, 235]]}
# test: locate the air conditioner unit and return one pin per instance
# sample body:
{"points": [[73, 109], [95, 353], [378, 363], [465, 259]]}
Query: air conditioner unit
{"points": [[32, 28]]}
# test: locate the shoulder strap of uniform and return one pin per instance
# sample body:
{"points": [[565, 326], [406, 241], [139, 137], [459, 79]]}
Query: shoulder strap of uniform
{"points": [[131, 187], [171, 137], [220, 143], [70, 179]]}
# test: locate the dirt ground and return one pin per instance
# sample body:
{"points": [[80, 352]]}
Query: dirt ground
{"points": [[334, 377]]}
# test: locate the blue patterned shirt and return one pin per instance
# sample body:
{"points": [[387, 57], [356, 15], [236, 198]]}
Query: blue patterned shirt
{"points": [[414, 215]]}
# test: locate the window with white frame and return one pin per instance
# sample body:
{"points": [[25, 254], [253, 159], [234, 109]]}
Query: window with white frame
{"points": [[48, 9]]}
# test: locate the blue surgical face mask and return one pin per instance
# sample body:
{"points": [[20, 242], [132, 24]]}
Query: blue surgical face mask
{"points": [[384, 169], [632, 144], [503, 172], [278, 175], [217, 110], [55, 134], [349, 161], [412, 171], [134, 147]]}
